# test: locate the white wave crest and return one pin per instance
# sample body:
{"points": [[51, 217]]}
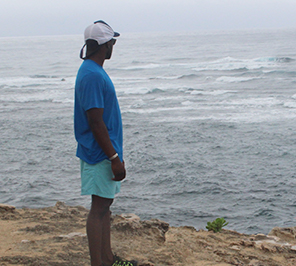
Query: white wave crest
{"points": [[229, 79]]}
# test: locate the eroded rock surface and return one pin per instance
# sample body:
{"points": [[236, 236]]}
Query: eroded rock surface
{"points": [[56, 236]]}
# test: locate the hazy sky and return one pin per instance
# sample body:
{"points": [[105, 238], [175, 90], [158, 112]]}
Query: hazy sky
{"points": [[55, 17]]}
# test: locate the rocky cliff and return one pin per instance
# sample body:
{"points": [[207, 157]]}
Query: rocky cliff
{"points": [[56, 236]]}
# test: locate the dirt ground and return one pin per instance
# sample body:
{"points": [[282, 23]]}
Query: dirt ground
{"points": [[56, 236]]}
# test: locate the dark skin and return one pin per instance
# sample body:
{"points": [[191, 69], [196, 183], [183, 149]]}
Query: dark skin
{"points": [[100, 132], [96, 122], [98, 221]]}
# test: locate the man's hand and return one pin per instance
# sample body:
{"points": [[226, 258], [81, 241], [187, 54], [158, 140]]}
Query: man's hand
{"points": [[118, 169], [100, 132]]}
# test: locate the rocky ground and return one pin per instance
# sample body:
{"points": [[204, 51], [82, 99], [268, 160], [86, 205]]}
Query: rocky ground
{"points": [[56, 236]]}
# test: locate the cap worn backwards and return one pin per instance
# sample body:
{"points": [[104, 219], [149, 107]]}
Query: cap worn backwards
{"points": [[100, 31]]}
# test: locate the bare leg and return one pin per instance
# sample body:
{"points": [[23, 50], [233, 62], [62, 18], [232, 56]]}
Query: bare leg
{"points": [[95, 227], [107, 254]]}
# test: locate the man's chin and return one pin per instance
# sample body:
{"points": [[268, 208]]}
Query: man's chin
{"points": [[108, 56]]}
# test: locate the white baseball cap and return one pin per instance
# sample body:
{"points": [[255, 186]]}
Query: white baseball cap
{"points": [[100, 31]]}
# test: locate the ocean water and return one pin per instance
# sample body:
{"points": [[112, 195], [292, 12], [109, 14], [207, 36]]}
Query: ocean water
{"points": [[209, 125]]}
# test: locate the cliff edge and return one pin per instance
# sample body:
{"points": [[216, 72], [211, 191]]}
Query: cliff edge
{"points": [[56, 236]]}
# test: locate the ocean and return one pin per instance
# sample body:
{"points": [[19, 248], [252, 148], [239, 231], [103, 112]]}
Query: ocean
{"points": [[209, 125]]}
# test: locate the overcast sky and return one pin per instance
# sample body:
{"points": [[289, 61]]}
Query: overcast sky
{"points": [[66, 17]]}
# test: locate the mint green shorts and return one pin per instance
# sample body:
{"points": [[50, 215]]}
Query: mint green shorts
{"points": [[96, 179]]}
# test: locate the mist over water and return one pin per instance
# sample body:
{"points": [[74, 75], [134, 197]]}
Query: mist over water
{"points": [[209, 125]]}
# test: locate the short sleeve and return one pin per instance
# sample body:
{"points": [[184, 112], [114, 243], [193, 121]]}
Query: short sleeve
{"points": [[92, 92]]}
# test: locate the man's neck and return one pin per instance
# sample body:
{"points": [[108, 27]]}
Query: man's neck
{"points": [[98, 61], [99, 57]]}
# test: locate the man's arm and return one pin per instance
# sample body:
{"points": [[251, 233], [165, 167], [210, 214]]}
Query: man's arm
{"points": [[101, 135]]}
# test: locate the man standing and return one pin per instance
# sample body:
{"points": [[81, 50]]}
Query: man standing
{"points": [[98, 131]]}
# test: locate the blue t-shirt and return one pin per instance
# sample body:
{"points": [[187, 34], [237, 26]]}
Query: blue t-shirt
{"points": [[94, 89]]}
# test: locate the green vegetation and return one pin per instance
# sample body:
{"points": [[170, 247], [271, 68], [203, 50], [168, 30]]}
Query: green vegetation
{"points": [[216, 225]]}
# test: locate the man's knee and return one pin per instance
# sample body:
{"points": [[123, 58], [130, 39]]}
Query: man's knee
{"points": [[101, 212], [100, 206]]}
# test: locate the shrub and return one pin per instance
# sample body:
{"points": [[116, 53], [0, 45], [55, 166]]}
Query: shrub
{"points": [[216, 225]]}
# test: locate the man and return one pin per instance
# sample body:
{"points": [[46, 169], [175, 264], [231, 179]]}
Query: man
{"points": [[98, 131]]}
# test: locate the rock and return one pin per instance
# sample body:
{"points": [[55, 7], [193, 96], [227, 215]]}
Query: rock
{"points": [[287, 234], [255, 263], [56, 236], [6, 208], [132, 225], [61, 205], [25, 241], [247, 243], [71, 235], [260, 237], [130, 217], [235, 248]]}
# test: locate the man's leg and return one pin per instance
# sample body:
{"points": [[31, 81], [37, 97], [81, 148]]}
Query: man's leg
{"points": [[107, 254], [95, 227]]}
